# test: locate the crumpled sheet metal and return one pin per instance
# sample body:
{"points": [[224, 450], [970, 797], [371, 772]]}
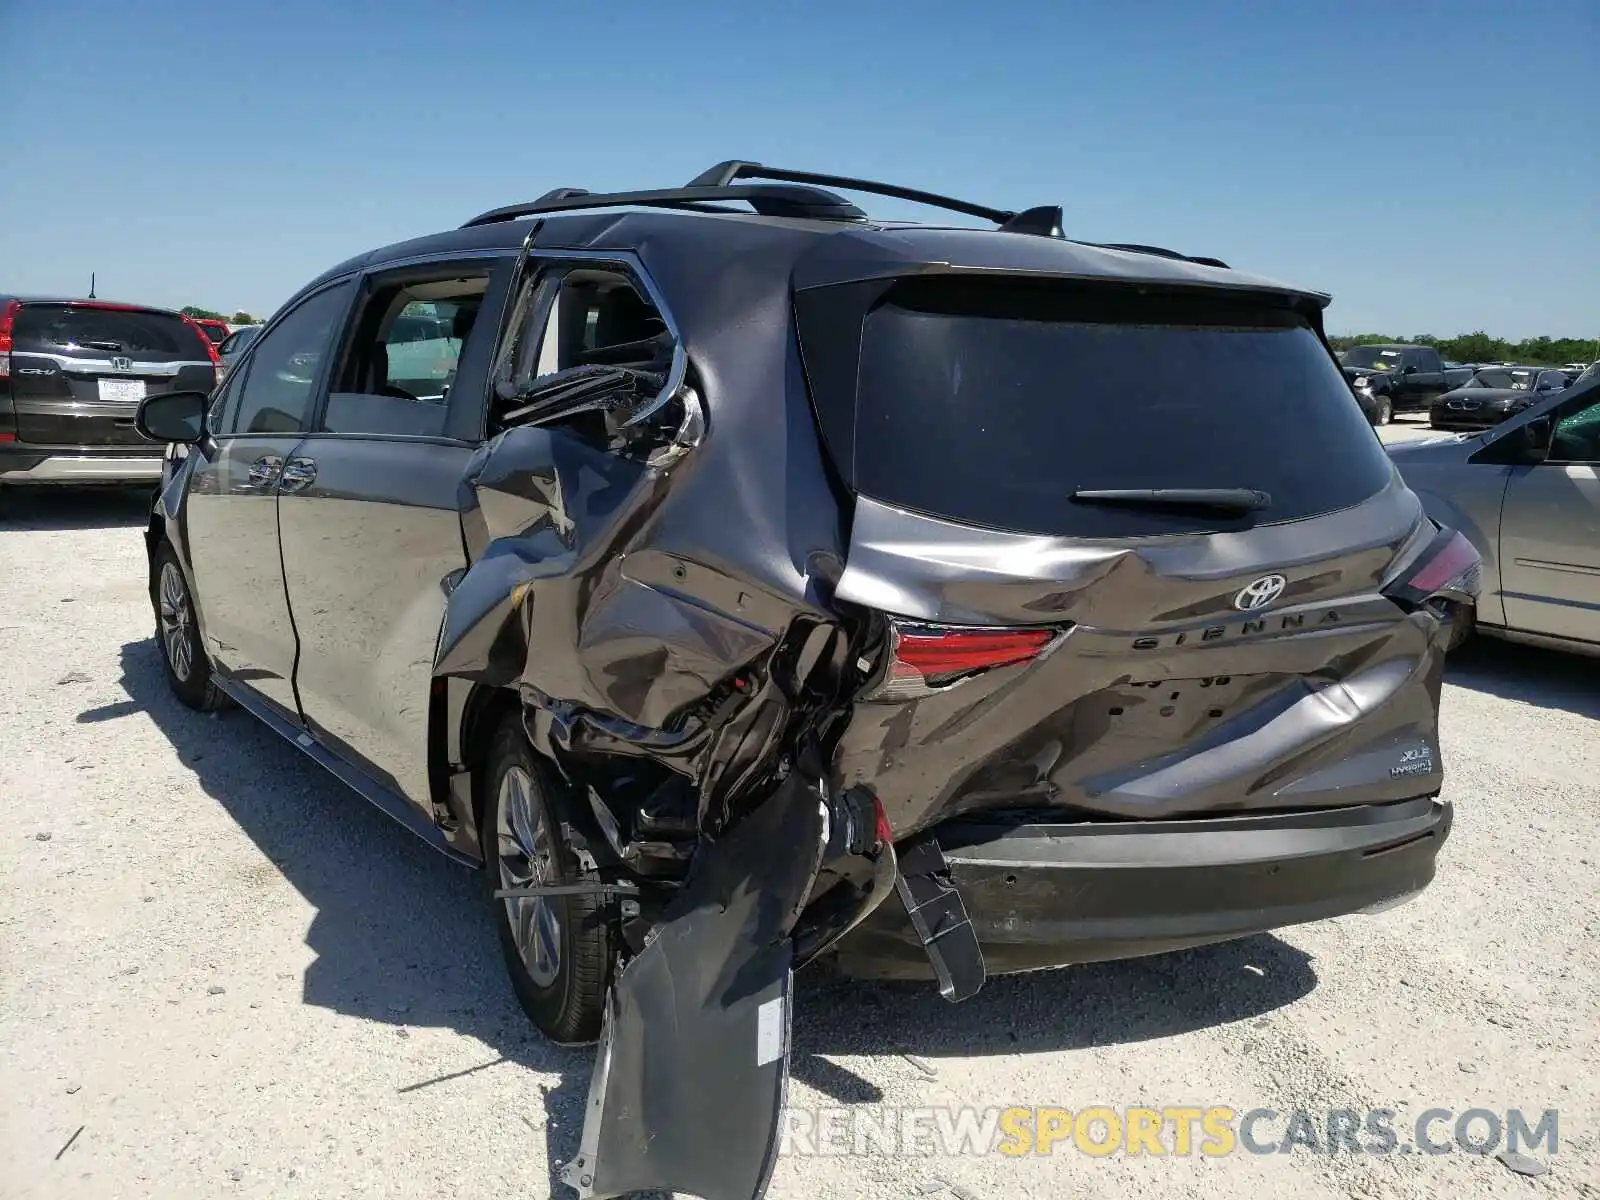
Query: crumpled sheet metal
{"points": [[549, 599]]}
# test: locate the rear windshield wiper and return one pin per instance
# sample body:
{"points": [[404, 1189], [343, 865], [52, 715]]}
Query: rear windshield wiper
{"points": [[114, 347], [1238, 500]]}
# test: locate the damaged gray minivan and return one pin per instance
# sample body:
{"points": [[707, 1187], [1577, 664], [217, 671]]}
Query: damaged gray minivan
{"points": [[740, 580]]}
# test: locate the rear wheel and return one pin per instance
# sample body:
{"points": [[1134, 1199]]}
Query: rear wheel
{"points": [[557, 948], [187, 667]]}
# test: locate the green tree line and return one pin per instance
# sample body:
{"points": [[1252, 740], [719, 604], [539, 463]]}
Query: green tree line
{"points": [[1480, 347], [239, 318]]}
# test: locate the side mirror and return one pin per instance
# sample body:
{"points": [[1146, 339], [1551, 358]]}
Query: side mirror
{"points": [[1409, 369], [173, 417]]}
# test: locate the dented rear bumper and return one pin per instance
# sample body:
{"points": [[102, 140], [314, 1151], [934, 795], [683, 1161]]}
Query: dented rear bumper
{"points": [[1046, 895]]}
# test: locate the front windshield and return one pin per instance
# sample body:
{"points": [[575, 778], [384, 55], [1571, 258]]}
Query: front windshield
{"points": [[1513, 380], [1372, 356]]}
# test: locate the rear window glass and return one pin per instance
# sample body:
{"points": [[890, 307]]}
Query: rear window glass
{"points": [[84, 332], [990, 403]]}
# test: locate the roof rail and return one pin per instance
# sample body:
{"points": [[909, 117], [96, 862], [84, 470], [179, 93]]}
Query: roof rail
{"points": [[789, 193], [725, 173], [766, 199], [1043, 221]]}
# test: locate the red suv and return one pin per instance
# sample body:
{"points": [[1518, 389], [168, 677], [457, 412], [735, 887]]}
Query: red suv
{"points": [[215, 328]]}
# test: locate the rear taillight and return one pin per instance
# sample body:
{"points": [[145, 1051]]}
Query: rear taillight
{"points": [[8, 320], [927, 659], [1447, 570]]}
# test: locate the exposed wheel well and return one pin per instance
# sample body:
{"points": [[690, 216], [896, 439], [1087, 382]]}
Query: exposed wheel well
{"points": [[481, 713], [634, 789]]}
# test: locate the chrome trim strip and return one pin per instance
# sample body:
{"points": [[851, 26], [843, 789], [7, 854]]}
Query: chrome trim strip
{"points": [[66, 406], [84, 366], [380, 796], [87, 469], [1540, 564], [417, 260]]}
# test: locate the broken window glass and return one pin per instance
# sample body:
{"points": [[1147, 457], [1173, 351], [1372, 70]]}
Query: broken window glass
{"points": [[590, 353]]}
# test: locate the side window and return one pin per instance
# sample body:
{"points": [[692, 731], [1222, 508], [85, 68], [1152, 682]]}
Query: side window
{"points": [[587, 350], [223, 401], [395, 378], [281, 381], [1550, 381], [1576, 437]]}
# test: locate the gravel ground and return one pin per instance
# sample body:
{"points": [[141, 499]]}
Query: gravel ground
{"points": [[225, 975]]}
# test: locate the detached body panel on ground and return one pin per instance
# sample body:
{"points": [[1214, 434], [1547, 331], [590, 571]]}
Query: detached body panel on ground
{"points": [[650, 587]]}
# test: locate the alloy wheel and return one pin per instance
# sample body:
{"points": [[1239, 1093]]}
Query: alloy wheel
{"points": [[173, 606], [525, 849]]}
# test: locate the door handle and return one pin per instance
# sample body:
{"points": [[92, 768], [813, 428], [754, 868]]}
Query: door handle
{"points": [[264, 471], [298, 473]]}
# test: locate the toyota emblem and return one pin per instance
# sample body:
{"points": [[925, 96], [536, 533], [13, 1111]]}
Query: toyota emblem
{"points": [[1259, 594]]}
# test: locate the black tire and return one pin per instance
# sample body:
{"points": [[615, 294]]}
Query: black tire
{"points": [[1382, 410], [564, 999], [184, 659]]}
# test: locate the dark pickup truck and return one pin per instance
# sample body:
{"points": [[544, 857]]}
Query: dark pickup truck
{"points": [[1395, 379]]}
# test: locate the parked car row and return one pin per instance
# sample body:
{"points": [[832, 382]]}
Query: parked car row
{"points": [[1392, 379], [978, 681], [1526, 492], [1397, 378]]}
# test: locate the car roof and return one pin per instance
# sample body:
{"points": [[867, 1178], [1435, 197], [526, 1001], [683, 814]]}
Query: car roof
{"points": [[835, 250], [83, 302]]}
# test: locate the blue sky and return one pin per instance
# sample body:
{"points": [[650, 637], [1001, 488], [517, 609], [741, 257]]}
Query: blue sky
{"points": [[1436, 166]]}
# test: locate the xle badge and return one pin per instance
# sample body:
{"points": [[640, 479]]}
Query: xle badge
{"points": [[1416, 761]]}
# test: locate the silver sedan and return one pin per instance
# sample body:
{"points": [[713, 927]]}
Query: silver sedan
{"points": [[1527, 493]]}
